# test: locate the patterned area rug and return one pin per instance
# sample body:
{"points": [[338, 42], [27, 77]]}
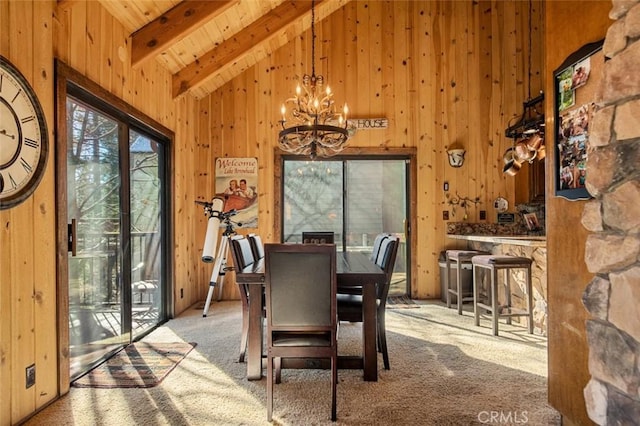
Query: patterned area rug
{"points": [[401, 302], [139, 365]]}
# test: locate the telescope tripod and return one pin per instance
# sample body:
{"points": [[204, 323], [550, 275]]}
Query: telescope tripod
{"points": [[220, 265], [216, 215]]}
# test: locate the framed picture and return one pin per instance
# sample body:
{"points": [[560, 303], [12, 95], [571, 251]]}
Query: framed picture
{"points": [[575, 89]]}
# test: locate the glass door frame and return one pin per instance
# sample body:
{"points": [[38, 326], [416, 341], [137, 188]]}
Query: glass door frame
{"points": [[68, 83], [369, 153]]}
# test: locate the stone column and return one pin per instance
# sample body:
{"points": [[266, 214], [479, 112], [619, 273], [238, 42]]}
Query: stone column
{"points": [[613, 217]]}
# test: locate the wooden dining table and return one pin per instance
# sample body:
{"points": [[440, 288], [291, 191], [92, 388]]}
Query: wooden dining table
{"points": [[354, 270]]}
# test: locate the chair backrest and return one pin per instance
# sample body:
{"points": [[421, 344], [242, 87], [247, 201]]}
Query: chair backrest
{"points": [[387, 261], [242, 254], [317, 237], [300, 282], [376, 246], [256, 246]]}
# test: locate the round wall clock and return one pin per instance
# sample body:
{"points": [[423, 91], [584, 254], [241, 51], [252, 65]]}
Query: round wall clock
{"points": [[23, 137]]}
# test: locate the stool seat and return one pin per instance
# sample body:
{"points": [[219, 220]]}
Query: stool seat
{"points": [[494, 263], [460, 257], [500, 260]]}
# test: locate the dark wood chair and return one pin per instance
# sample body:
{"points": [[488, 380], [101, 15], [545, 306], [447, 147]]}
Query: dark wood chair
{"points": [[256, 246], [242, 257], [376, 245], [350, 305], [317, 237], [300, 282]]}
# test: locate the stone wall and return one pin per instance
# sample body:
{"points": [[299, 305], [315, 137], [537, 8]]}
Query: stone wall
{"points": [[612, 250]]}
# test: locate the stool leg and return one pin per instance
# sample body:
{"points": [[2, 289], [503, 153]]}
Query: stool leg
{"points": [[448, 275], [507, 289], [530, 299], [494, 300], [476, 294], [459, 285]]}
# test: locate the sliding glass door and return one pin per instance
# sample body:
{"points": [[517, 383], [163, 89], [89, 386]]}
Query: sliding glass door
{"points": [[115, 192], [354, 198]]}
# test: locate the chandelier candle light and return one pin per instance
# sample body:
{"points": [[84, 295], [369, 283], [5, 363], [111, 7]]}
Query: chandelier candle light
{"points": [[315, 128]]}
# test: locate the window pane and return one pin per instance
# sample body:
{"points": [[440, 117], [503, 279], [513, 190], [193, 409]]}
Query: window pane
{"points": [[312, 199]]}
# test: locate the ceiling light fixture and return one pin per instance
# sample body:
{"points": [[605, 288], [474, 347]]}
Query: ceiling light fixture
{"points": [[311, 126]]}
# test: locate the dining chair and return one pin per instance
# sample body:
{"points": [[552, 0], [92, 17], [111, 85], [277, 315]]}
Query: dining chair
{"points": [[256, 246], [376, 245], [350, 305], [300, 282], [317, 237], [242, 257]]}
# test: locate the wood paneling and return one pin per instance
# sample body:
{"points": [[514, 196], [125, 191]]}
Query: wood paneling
{"points": [[441, 72], [567, 273]]}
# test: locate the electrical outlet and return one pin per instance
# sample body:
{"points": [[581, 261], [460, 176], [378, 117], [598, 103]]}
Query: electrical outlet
{"points": [[445, 215], [30, 375], [483, 215], [182, 293]]}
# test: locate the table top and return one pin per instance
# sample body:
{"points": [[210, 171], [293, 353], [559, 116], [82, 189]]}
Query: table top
{"points": [[351, 267]]}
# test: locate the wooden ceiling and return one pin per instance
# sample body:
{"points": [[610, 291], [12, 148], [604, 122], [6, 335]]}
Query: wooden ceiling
{"points": [[205, 44]]}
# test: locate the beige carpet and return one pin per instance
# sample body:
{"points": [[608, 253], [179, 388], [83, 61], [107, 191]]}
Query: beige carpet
{"points": [[444, 371]]}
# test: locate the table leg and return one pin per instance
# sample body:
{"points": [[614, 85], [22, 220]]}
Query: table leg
{"points": [[254, 341], [369, 329]]}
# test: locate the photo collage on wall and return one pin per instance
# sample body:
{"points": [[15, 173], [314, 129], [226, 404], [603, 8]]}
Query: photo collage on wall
{"points": [[573, 125]]}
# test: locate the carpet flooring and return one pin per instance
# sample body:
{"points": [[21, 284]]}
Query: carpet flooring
{"points": [[444, 371]]}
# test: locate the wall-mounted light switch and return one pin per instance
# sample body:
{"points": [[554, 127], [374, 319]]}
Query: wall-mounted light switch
{"points": [[445, 186], [445, 215], [483, 215]]}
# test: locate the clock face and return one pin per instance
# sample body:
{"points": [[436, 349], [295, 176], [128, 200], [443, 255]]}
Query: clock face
{"points": [[23, 137]]}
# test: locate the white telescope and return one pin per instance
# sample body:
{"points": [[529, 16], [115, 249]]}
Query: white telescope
{"points": [[213, 225]]}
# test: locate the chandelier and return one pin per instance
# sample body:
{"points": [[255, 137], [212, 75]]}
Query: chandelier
{"points": [[311, 126]]}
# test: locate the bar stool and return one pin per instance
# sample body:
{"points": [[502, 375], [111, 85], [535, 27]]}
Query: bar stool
{"points": [[460, 257], [494, 263]]}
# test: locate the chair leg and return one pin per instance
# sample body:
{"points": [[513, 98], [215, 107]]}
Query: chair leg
{"points": [[245, 333], [507, 290], [334, 387], [278, 367], [459, 285], [494, 300], [446, 280], [530, 299], [382, 340], [269, 388], [476, 294], [245, 324]]}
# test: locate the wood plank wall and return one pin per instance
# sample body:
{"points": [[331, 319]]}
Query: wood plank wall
{"points": [[567, 274], [88, 39], [441, 72]]}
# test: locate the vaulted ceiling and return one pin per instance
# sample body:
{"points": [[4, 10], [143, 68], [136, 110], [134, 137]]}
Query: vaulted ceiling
{"points": [[205, 44]]}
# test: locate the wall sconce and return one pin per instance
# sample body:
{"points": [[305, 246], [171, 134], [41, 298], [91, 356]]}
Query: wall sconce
{"points": [[456, 157]]}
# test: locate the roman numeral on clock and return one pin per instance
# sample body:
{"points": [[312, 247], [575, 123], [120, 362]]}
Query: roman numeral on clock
{"points": [[27, 119], [31, 143], [26, 165]]}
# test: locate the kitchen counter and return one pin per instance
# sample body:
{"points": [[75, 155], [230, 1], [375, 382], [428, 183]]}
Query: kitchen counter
{"points": [[516, 240]]}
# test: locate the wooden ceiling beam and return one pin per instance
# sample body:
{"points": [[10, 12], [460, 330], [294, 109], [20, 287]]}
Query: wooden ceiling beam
{"points": [[230, 50], [181, 20]]}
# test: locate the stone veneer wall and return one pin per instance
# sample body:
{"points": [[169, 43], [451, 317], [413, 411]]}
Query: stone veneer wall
{"points": [[612, 249]]}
